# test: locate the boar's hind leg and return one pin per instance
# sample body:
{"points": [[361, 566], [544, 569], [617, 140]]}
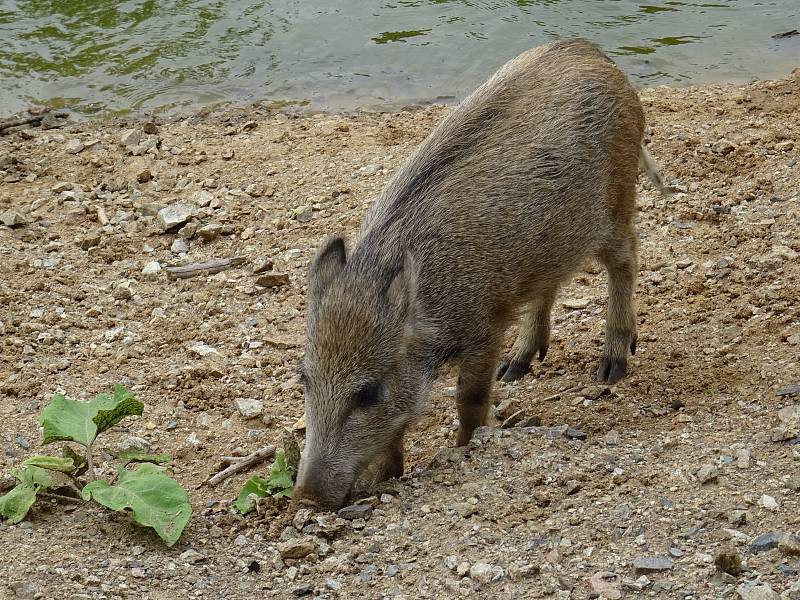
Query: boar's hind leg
{"points": [[619, 258], [534, 337], [475, 379]]}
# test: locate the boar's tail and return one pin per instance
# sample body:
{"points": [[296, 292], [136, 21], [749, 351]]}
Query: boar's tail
{"points": [[648, 165]]}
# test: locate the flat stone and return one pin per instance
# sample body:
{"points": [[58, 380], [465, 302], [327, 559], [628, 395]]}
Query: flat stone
{"points": [[272, 279], [575, 303], [575, 434], [174, 216], [297, 548], [249, 408], [303, 590], [750, 591], [789, 390], [132, 442], [765, 541], [652, 564], [192, 556], [355, 511]]}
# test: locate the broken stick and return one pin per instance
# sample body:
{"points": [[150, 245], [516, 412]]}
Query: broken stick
{"points": [[241, 463], [205, 268], [28, 120]]}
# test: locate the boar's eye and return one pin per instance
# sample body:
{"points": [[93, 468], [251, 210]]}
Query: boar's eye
{"points": [[369, 395]]}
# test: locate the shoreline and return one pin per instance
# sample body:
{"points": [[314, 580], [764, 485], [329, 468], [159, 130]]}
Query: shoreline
{"points": [[306, 106]]}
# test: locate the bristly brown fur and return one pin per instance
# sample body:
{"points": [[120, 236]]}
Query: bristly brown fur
{"points": [[530, 175]]}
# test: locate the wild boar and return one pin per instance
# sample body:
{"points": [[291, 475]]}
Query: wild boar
{"points": [[528, 177]]}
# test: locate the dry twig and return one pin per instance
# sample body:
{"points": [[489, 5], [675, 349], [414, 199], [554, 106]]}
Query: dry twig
{"points": [[205, 268], [28, 120], [241, 463]]}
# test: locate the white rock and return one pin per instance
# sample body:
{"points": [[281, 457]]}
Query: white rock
{"points": [[174, 215], [249, 408], [74, 146], [179, 246], [132, 442], [768, 502], [575, 303], [202, 349], [152, 269]]}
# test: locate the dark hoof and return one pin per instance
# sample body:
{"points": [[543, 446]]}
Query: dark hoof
{"points": [[612, 370], [512, 370]]}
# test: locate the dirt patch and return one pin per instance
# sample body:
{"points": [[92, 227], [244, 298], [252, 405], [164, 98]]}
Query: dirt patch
{"points": [[676, 460]]}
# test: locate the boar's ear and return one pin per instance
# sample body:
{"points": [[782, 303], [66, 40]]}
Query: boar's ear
{"points": [[327, 265], [402, 289]]}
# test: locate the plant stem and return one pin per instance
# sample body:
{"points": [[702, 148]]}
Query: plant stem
{"points": [[89, 463]]}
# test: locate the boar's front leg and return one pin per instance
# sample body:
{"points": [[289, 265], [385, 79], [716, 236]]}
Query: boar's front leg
{"points": [[475, 379]]}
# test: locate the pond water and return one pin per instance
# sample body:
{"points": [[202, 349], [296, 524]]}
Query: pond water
{"points": [[112, 56]]}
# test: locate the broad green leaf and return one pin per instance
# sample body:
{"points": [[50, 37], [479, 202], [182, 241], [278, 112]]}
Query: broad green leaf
{"points": [[281, 475], [53, 463], [32, 480], [157, 500], [75, 421], [254, 487], [125, 405], [279, 483], [131, 455], [33, 476], [79, 460], [15, 504]]}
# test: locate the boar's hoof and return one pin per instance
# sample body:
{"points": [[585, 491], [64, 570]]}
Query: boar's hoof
{"points": [[512, 370], [612, 369]]}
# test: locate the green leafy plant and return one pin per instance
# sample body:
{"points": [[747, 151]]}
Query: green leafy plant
{"points": [[155, 499], [279, 484]]}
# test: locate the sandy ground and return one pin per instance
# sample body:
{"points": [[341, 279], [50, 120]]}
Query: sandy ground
{"points": [[694, 455]]}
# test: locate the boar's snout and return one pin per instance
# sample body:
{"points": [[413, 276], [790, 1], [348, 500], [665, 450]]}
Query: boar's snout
{"points": [[319, 487]]}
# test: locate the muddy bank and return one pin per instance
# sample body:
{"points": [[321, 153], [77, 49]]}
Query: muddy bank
{"points": [[695, 454]]}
